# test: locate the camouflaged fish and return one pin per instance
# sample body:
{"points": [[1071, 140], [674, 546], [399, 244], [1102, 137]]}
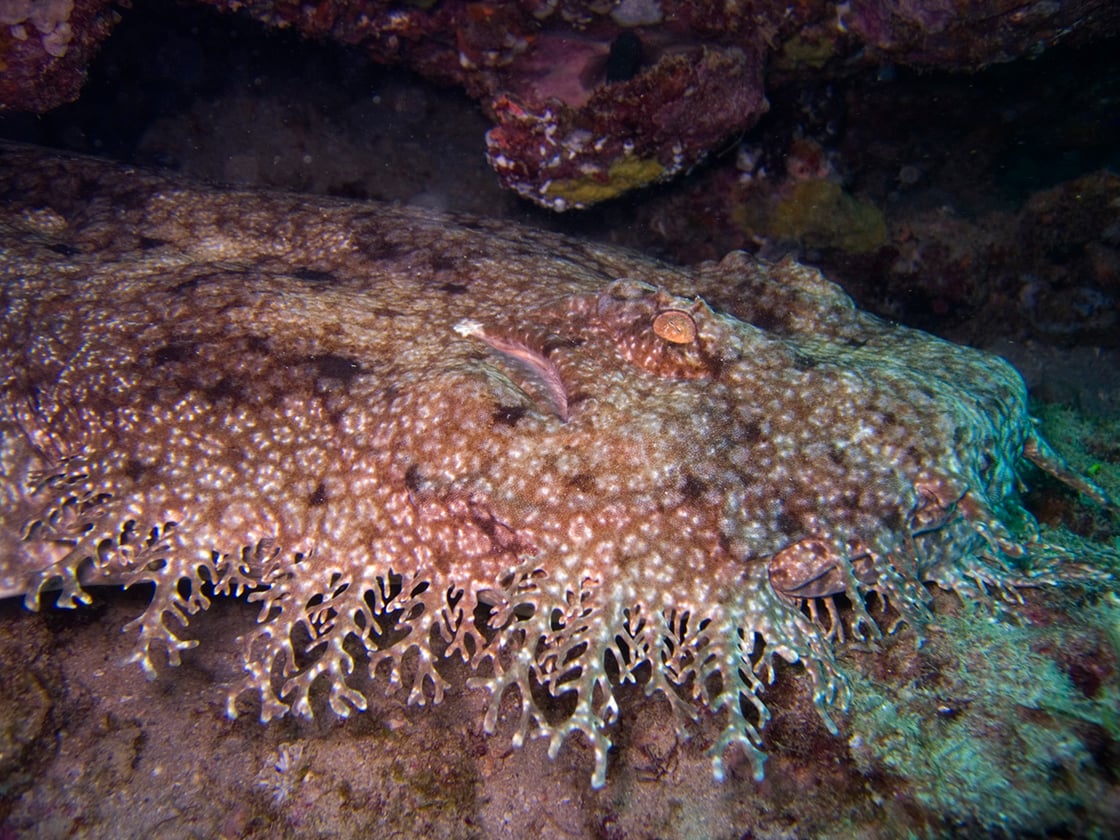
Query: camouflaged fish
{"points": [[410, 437]]}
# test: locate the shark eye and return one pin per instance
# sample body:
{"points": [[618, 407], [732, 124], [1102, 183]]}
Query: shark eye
{"points": [[675, 326]]}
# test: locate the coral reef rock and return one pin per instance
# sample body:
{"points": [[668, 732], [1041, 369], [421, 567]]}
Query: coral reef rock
{"points": [[45, 46], [593, 99]]}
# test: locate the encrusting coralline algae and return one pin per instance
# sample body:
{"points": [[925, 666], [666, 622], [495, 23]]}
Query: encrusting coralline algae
{"points": [[409, 437]]}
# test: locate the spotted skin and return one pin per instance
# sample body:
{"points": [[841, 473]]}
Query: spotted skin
{"points": [[409, 437]]}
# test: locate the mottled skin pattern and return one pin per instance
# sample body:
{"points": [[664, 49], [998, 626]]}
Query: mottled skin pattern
{"points": [[409, 437]]}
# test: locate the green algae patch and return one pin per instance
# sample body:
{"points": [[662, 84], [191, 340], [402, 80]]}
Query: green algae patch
{"points": [[1090, 444], [800, 52], [624, 174], [991, 730], [819, 214]]}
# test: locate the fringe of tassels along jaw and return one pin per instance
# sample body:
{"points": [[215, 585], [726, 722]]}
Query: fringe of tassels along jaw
{"points": [[536, 634], [535, 639]]}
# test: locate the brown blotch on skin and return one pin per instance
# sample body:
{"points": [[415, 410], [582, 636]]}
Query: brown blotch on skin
{"points": [[334, 366], [750, 432], [314, 275], [225, 388], [789, 523], [258, 344], [318, 496], [503, 538], [179, 351], [509, 414], [381, 250], [583, 482], [441, 262], [554, 342], [764, 317], [64, 250], [693, 488], [413, 480], [454, 288], [211, 279], [386, 312], [894, 520]]}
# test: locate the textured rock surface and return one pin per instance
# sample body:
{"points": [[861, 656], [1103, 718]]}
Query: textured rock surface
{"points": [[590, 99], [45, 47], [412, 437]]}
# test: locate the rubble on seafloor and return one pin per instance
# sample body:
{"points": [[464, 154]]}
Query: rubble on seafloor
{"points": [[990, 728]]}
